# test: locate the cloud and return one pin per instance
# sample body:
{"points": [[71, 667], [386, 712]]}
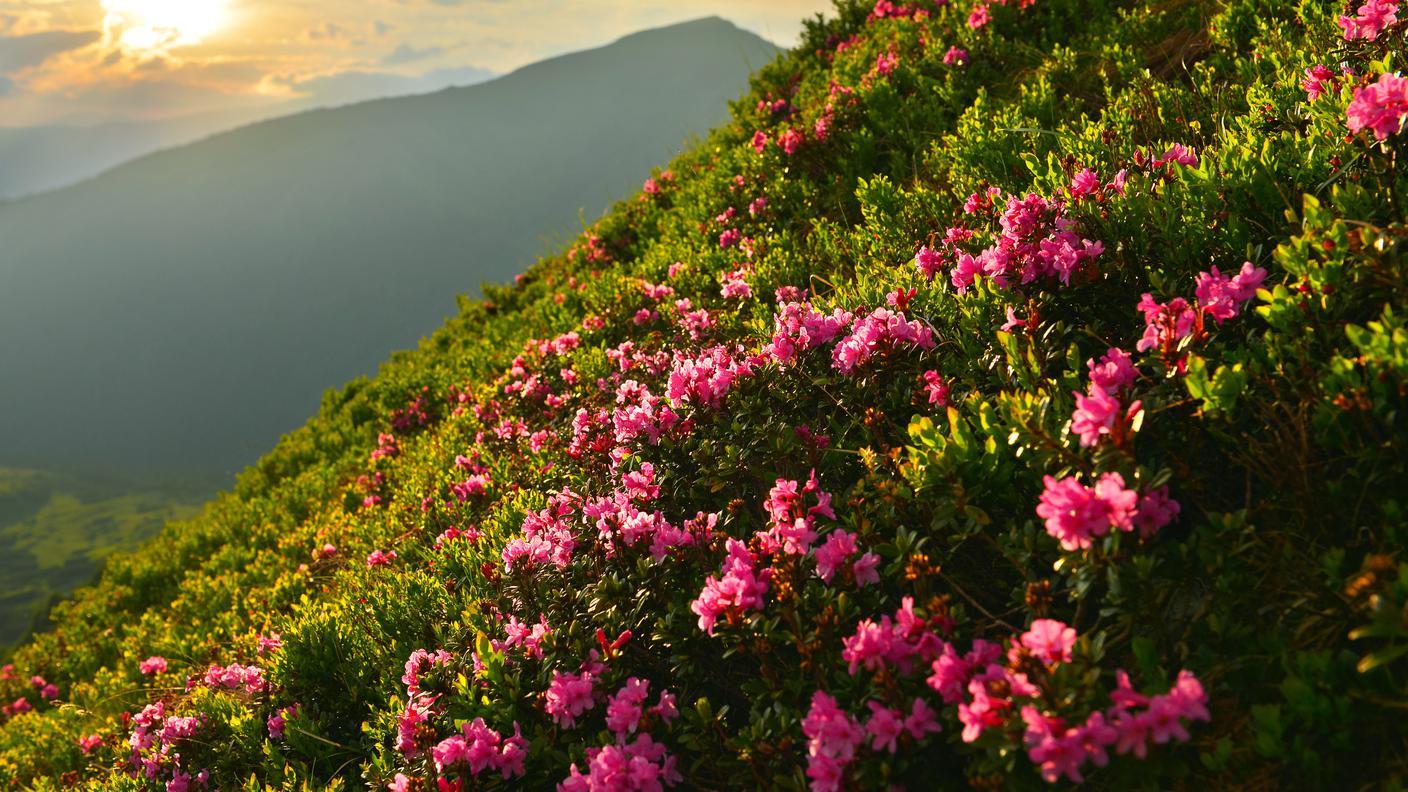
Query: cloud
{"points": [[6, 85], [408, 54], [22, 52]]}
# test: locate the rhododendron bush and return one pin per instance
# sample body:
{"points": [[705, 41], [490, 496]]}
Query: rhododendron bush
{"points": [[1011, 395]]}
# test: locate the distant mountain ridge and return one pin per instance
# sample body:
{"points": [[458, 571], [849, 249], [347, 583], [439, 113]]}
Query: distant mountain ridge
{"points": [[39, 159], [184, 309]]}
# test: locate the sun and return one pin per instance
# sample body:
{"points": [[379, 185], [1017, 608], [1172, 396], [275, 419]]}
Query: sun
{"points": [[159, 25]]}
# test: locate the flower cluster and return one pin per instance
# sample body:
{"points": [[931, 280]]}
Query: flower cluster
{"points": [[1380, 106]]}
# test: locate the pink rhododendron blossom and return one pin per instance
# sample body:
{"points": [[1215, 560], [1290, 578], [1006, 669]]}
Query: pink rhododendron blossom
{"points": [[833, 553], [90, 743], [1050, 641], [1114, 371], [408, 726], [791, 521], [1222, 297], [760, 141], [1099, 415], [800, 327], [1165, 323], [1085, 184], [956, 57], [886, 62], [884, 727], [978, 17], [706, 379], [1156, 510], [1179, 153], [378, 558], [640, 766], [625, 707], [155, 664], [547, 538], [880, 331], [249, 679], [928, 262], [1370, 19], [568, 696], [420, 663], [740, 588], [936, 389], [898, 642], [1077, 515], [790, 141], [832, 737], [1380, 106], [865, 569], [1318, 81]]}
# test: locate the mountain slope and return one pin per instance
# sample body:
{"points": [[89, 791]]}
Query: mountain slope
{"points": [[44, 158], [242, 275], [1005, 398]]}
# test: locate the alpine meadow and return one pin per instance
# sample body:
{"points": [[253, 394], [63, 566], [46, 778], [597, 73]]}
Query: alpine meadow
{"points": [[1009, 395]]}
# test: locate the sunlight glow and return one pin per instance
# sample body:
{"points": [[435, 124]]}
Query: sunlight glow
{"points": [[160, 25]]}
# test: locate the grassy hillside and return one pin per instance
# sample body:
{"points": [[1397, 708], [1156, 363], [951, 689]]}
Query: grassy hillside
{"points": [[1007, 396], [57, 530]]}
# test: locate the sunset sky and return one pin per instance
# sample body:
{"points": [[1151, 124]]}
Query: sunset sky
{"points": [[86, 61]]}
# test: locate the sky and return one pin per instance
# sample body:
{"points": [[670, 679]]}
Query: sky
{"points": [[95, 61]]}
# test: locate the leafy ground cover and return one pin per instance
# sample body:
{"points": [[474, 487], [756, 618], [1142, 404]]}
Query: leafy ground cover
{"points": [[1011, 395]]}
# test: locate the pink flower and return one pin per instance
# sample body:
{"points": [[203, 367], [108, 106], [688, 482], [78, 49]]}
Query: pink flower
{"points": [[833, 553], [153, 665], [400, 783], [1098, 414], [1156, 510], [1114, 372], [790, 141], [624, 709], [89, 743], [760, 141], [928, 262], [880, 331], [729, 238], [1165, 324], [740, 588], [864, 569], [1380, 106], [408, 725], [379, 558], [1179, 153], [936, 388], [1318, 81], [884, 727], [272, 642], [1085, 184], [1050, 641], [886, 63], [1013, 322], [832, 737], [1222, 297], [568, 696], [1371, 19], [921, 720], [956, 57], [979, 16], [1076, 515]]}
